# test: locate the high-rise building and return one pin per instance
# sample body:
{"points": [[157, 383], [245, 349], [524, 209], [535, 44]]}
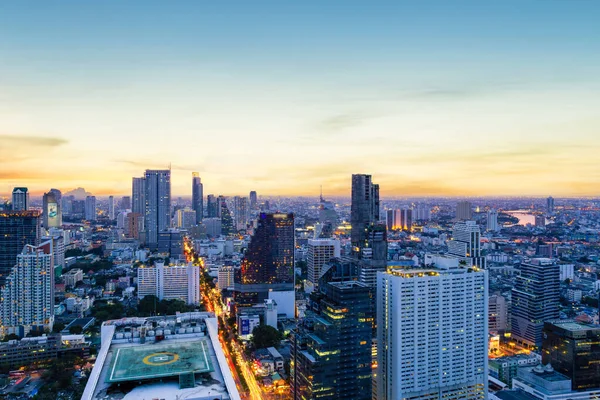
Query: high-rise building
{"points": [[185, 218], [111, 208], [331, 348], [269, 260], [52, 209], [253, 200], [227, 223], [213, 227], [78, 208], [466, 243], [225, 278], [573, 349], [170, 241], [212, 206], [240, 212], [373, 257], [535, 299], [67, 205], [432, 332], [320, 251], [421, 212], [403, 219], [492, 220], [181, 282], [364, 210], [540, 221], [126, 203], [138, 196], [550, 205], [17, 229], [390, 219], [197, 197], [498, 314], [91, 211], [57, 237], [133, 225], [20, 199], [28, 292], [464, 211], [158, 204]]}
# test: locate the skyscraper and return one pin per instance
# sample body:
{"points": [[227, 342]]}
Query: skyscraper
{"points": [[331, 347], [364, 210], [464, 211], [197, 197], [320, 251], [535, 299], [390, 219], [90, 208], [573, 349], [111, 208], [17, 229], [158, 204], [20, 199], [550, 205], [253, 200], [181, 282], [269, 260], [227, 223], [28, 292], [52, 209], [492, 220], [126, 203], [466, 243], [212, 206], [240, 212], [138, 196], [185, 218], [432, 329]]}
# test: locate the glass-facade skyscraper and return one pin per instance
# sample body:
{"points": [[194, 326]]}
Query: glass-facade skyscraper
{"points": [[269, 260], [20, 199], [17, 229], [157, 215], [197, 197], [364, 210]]}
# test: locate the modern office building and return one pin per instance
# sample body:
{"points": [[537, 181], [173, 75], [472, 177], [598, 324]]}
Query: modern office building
{"points": [[52, 209], [253, 200], [331, 347], [166, 357], [20, 199], [432, 334], [158, 204], [544, 383], [492, 221], [28, 292], [125, 203], [464, 211], [197, 197], [227, 223], [373, 257], [111, 208], [550, 205], [59, 241], [573, 349], [226, 276], [212, 206], [170, 242], [364, 210], [185, 218], [466, 243], [17, 229], [213, 227], [535, 299], [240, 213], [269, 260], [390, 219], [181, 282], [91, 208], [138, 196], [320, 251]]}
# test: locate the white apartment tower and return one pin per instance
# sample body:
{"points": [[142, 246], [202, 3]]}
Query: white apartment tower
{"points": [[320, 251], [432, 329], [466, 243], [492, 220], [170, 282], [28, 294]]}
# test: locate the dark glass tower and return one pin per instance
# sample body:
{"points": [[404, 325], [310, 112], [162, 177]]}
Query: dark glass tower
{"points": [[573, 349], [331, 348], [197, 197], [364, 210], [17, 228], [535, 299], [227, 227], [269, 260], [158, 204]]}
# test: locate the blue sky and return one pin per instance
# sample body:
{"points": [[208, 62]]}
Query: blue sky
{"points": [[431, 97]]}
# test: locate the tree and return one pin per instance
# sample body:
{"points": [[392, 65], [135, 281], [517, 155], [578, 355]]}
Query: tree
{"points": [[58, 326], [265, 336], [11, 336], [76, 330]]}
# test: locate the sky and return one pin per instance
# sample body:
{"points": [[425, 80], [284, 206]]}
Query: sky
{"points": [[433, 98]]}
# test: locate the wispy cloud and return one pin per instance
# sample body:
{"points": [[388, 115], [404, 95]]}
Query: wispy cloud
{"points": [[27, 140]]}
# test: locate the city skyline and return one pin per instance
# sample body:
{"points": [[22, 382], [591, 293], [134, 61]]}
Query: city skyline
{"points": [[482, 99]]}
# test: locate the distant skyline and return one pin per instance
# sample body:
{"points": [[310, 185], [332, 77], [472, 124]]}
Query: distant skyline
{"points": [[434, 98]]}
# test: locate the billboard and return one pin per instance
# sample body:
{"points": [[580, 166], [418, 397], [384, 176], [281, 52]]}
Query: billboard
{"points": [[52, 211], [245, 326]]}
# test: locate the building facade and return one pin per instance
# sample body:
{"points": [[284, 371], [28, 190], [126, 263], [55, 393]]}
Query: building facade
{"points": [[20, 199], [181, 282], [52, 209], [91, 211], [364, 210], [466, 243], [197, 197], [17, 229], [432, 332], [158, 204], [320, 251]]}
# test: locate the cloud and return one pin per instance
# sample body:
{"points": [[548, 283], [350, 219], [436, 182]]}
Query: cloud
{"points": [[153, 164], [340, 122], [35, 141]]}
